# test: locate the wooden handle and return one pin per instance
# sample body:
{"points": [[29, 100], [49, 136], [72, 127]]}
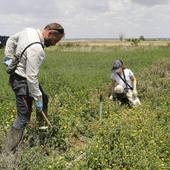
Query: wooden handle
{"points": [[46, 119]]}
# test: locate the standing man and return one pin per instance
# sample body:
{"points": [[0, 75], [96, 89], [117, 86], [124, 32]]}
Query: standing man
{"points": [[24, 54]]}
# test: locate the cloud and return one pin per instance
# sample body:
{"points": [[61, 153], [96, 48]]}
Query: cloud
{"points": [[26, 7], [151, 3], [88, 19]]}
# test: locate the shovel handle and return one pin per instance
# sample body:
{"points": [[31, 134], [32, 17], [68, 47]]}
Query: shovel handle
{"points": [[46, 119]]}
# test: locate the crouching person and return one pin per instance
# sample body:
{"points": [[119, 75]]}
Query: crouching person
{"points": [[123, 85]]}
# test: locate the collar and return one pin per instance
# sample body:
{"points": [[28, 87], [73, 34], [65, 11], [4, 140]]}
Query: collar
{"points": [[40, 36]]}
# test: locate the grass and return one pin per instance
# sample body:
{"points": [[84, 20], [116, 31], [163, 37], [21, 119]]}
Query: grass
{"points": [[124, 139], [75, 68]]}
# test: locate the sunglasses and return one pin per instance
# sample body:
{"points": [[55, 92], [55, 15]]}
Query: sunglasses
{"points": [[60, 30]]}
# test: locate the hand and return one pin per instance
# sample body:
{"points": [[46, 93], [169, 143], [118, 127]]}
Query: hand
{"points": [[7, 62], [135, 93], [39, 105], [111, 97]]}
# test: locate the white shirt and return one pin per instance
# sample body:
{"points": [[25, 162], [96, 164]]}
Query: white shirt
{"points": [[128, 73], [32, 58]]}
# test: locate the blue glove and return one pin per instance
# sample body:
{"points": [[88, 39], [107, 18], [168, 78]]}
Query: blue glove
{"points": [[7, 62], [39, 105]]}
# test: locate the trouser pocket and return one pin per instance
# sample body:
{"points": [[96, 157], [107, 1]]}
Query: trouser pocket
{"points": [[19, 85]]}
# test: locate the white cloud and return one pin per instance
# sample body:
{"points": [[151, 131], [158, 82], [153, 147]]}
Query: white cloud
{"points": [[89, 19], [150, 3]]}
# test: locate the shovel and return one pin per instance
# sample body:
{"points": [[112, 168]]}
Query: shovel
{"points": [[48, 122]]}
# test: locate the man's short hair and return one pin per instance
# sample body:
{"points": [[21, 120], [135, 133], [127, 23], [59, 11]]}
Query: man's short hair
{"points": [[56, 27]]}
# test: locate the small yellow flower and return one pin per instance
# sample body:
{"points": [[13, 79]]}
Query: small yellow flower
{"points": [[50, 167]]}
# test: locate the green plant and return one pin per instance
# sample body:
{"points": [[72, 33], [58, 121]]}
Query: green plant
{"points": [[124, 139]]}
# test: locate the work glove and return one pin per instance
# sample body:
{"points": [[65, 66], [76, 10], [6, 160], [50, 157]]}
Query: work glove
{"points": [[39, 105], [111, 97], [135, 93], [7, 61]]}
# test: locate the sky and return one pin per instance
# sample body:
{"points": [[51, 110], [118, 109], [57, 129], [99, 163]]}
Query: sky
{"points": [[89, 18]]}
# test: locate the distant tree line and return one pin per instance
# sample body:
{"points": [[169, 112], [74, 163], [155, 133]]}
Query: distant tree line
{"points": [[135, 41], [3, 40]]}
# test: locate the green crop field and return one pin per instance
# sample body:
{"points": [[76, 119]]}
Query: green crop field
{"points": [[121, 138]]}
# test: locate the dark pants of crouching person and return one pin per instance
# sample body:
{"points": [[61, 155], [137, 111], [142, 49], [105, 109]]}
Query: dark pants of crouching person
{"points": [[24, 108], [122, 98]]}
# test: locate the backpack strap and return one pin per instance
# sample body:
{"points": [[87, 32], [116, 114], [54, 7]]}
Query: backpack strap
{"points": [[11, 68], [124, 80], [29, 46]]}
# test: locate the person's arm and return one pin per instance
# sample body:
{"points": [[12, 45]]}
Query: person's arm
{"points": [[10, 49], [35, 56], [134, 82], [133, 79], [11, 45], [112, 89]]}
